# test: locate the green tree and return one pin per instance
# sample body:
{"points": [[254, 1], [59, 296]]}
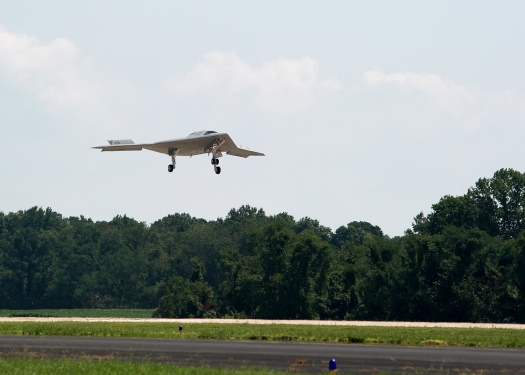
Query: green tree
{"points": [[306, 280], [501, 200], [31, 239], [354, 232], [184, 298]]}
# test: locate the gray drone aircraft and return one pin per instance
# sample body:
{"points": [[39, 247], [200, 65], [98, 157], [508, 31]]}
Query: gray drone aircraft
{"points": [[201, 142]]}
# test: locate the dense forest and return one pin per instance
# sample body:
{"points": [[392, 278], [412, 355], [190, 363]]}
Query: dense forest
{"points": [[464, 261]]}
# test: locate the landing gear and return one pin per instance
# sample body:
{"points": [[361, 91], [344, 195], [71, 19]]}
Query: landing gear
{"points": [[214, 149], [215, 162], [173, 153]]}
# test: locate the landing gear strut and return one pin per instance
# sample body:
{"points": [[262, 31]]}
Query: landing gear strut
{"points": [[216, 153], [173, 153]]}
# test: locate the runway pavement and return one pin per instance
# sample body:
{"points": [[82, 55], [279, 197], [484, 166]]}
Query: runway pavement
{"points": [[300, 357]]}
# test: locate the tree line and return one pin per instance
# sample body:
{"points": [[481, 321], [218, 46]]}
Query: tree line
{"points": [[464, 261]]}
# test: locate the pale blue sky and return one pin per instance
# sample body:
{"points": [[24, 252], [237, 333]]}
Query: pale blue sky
{"points": [[367, 111]]}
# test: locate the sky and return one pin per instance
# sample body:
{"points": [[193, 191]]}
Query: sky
{"points": [[366, 110]]}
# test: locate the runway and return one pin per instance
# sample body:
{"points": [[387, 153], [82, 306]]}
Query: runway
{"points": [[298, 357]]}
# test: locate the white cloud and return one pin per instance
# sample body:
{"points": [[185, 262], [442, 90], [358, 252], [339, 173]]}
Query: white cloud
{"points": [[447, 94], [64, 82], [426, 105], [53, 72], [280, 85], [331, 85]]}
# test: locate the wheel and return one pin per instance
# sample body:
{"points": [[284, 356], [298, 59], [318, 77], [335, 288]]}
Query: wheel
{"points": [[170, 168], [216, 161], [218, 170], [213, 161]]}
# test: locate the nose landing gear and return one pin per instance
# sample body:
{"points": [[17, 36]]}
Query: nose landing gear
{"points": [[173, 153]]}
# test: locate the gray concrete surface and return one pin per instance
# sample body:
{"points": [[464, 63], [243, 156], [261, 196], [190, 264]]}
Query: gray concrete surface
{"points": [[298, 357]]}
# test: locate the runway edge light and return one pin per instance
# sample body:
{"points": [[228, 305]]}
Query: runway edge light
{"points": [[332, 366]]}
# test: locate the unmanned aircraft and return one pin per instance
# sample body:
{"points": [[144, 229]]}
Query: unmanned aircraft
{"points": [[201, 142]]}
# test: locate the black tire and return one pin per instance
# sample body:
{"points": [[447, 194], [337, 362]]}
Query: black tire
{"points": [[170, 168], [218, 170], [216, 161]]}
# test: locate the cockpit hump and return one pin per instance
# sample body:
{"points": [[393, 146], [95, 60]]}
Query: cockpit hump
{"points": [[201, 133]]}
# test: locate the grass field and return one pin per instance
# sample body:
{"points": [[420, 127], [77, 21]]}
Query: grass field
{"points": [[17, 366], [506, 338], [339, 334], [487, 337], [80, 313]]}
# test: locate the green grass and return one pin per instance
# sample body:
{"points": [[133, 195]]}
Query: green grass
{"points": [[17, 366], [488, 337], [79, 313]]}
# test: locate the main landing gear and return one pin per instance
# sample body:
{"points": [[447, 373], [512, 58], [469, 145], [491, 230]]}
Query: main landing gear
{"points": [[214, 148], [215, 163]]}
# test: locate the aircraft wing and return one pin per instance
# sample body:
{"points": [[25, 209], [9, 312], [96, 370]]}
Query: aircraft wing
{"points": [[187, 146], [232, 149], [121, 145], [243, 152], [190, 146]]}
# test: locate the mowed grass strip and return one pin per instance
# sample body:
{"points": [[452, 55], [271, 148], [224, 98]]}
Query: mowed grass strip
{"points": [[80, 313], [487, 337], [17, 366]]}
